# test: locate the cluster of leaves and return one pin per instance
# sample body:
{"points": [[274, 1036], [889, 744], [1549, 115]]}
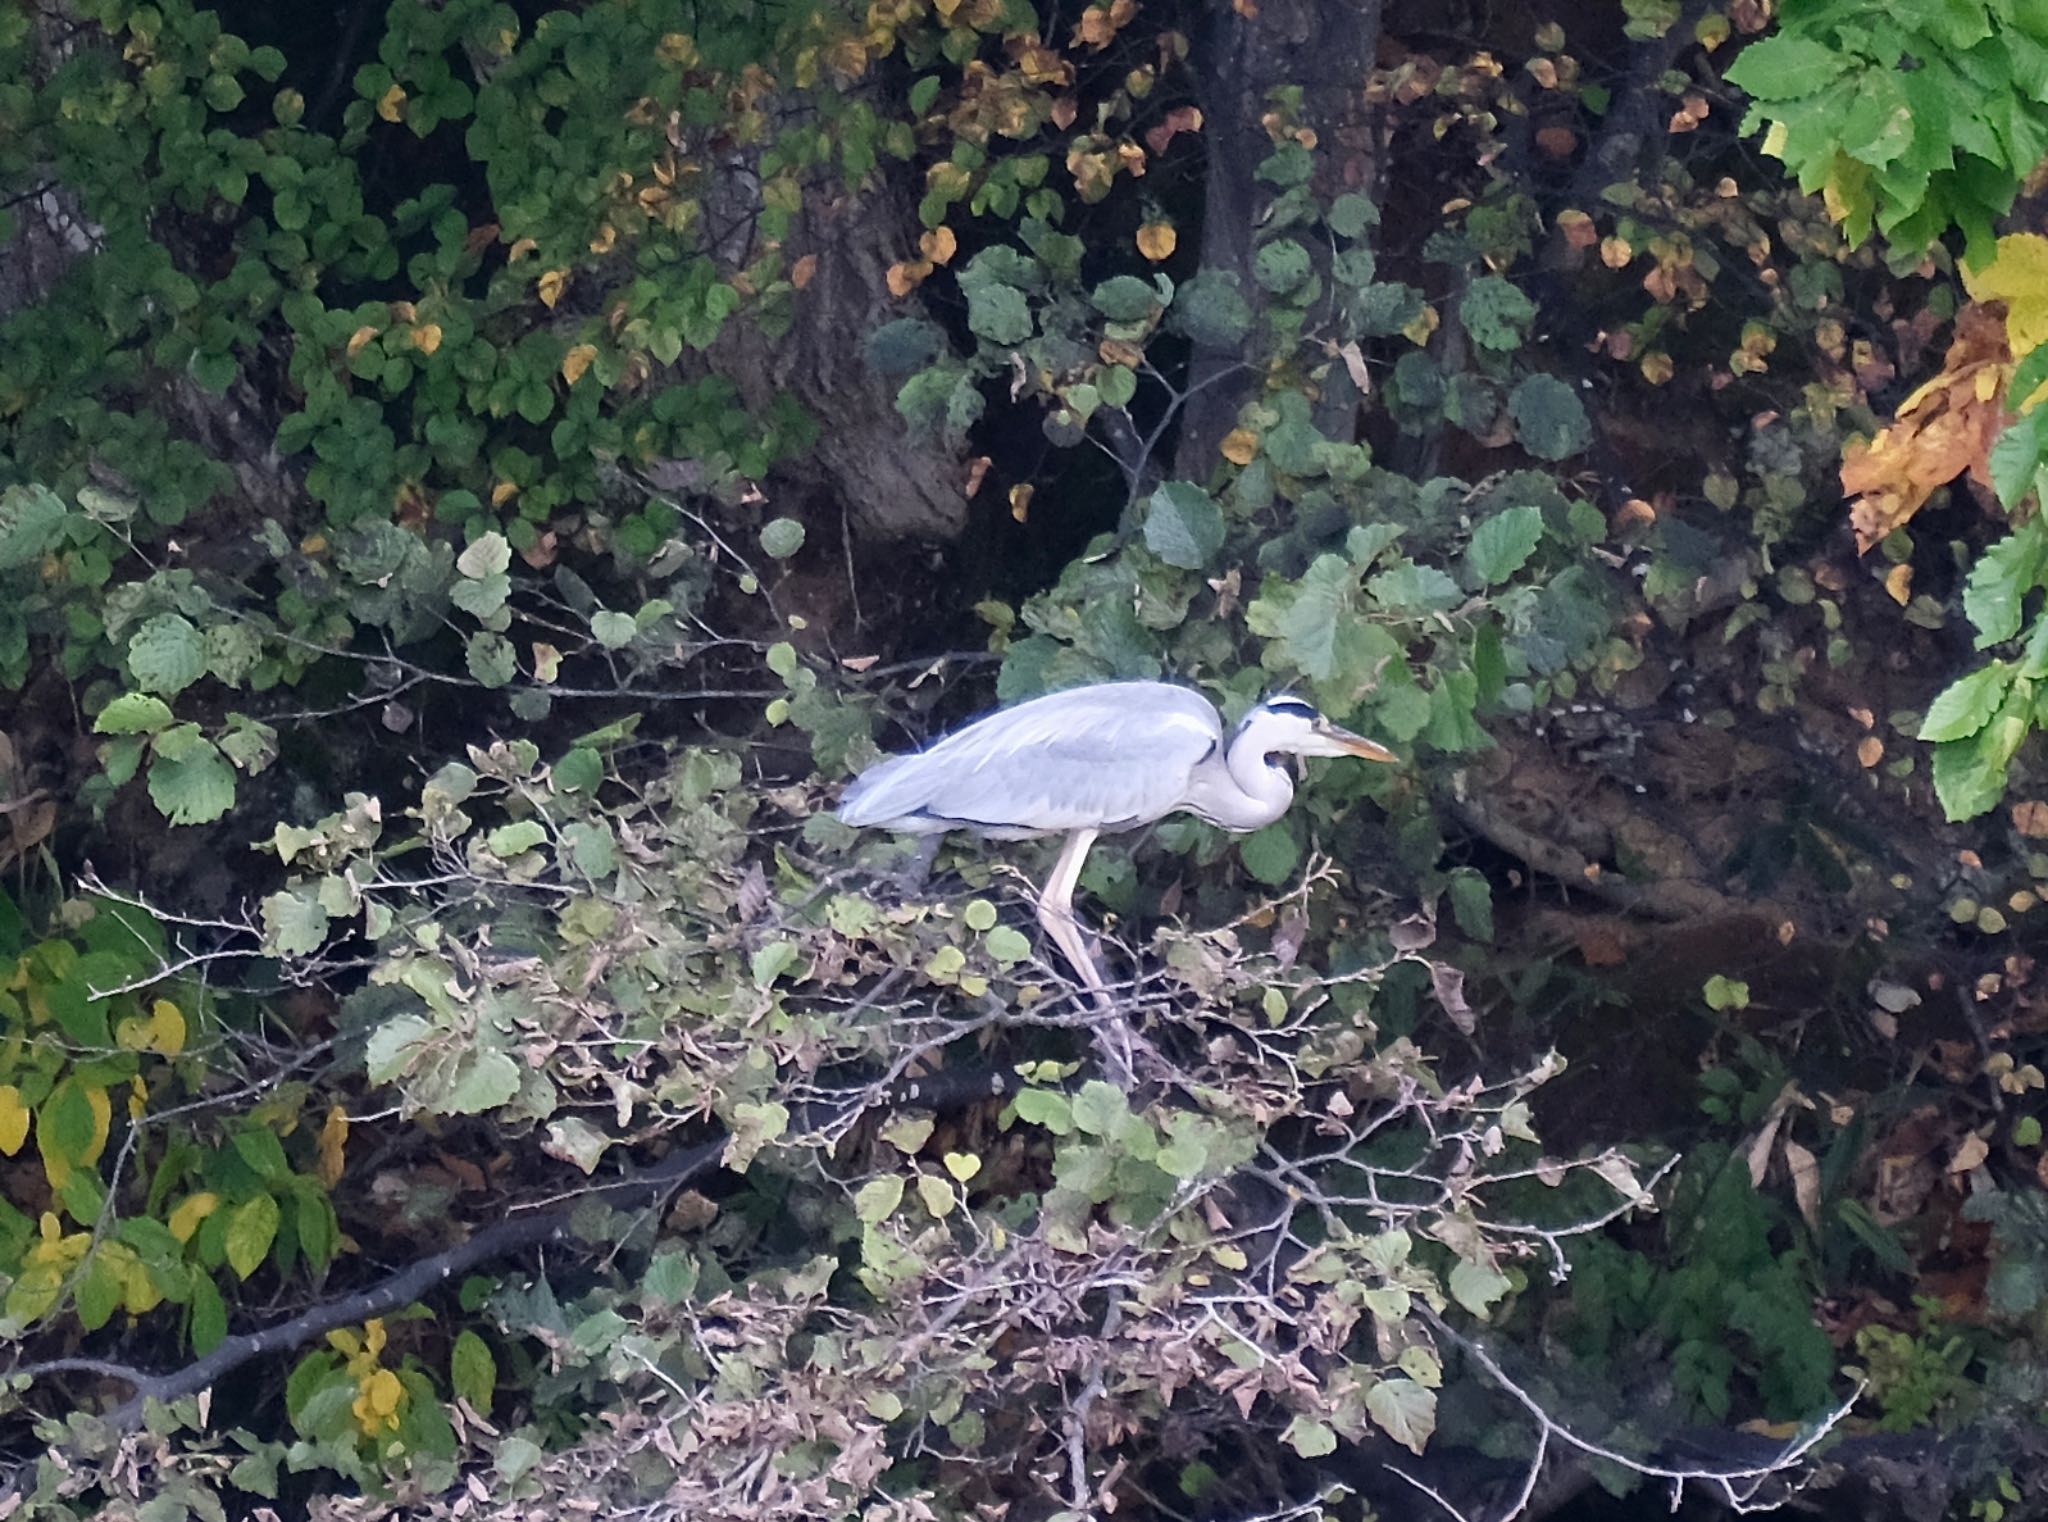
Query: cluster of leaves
{"points": [[1910, 122], [141, 1215]]}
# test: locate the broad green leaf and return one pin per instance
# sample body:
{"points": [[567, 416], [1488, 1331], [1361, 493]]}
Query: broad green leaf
{"points": [[980, 915], [1404, 1410], [166, 654], [1549, 418], [1280, 266], [1184, 525], [1411, 588], [1476, 1286], [612, 629], [1786, 67], [782, 538], [491, 659], [1310, 1438], [1045, 1107], [1966, 706], [1502, 544], [1100, 1108], [32, 520], [1270, 854], [489, 555], [195, 788], [1125, 298], [1496, 313], [1212, 310], [998, 313], [1352, 213], [133, 713], [1008, 945], [1999, 582], [878, 1198], [488, 1080]]}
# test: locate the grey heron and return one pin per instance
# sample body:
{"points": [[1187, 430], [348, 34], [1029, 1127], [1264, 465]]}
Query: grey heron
{"points": [[1093, 760]]}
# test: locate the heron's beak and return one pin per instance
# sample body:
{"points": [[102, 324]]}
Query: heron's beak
{"points": [[1356, 745]]}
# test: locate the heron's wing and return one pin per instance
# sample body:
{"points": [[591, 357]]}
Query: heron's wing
{"points": [[1106, 757]]}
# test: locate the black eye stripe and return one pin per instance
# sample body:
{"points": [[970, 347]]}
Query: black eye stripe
{"points": [[1294, 706]]}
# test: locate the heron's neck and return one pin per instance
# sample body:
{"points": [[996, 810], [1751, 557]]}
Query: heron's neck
{"points": [[1267, 788]]}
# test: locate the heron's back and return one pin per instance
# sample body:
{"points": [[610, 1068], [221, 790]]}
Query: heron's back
{"points": [[1109, 757]]}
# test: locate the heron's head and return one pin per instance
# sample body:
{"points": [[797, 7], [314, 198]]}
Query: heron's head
{"points": [[1287, 723]]}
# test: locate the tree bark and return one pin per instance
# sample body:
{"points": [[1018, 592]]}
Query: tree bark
{"points": [[1326, 47]]}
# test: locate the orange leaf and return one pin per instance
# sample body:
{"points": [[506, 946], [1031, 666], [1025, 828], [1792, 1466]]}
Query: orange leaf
{"points": [[1240, 446], [551, 285], [2030, 818], [906, 276], [1869, 751], [1020, 501], [939, 245], [1944, 429], [427, 337], [1898, 584], [1157, 240], [576, 361], [801, 272]]}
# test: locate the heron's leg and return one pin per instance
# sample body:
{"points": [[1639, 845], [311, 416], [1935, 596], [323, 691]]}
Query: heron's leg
{"points": [[916, 870], [1056, 916]]}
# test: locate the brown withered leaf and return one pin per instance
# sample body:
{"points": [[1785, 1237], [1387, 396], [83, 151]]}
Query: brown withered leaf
{"points": [[1943, 430]]}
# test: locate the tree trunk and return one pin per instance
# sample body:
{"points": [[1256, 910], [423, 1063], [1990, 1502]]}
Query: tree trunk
{"points": [[1326, 47]]}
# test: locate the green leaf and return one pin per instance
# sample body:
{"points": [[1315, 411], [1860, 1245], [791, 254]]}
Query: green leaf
{"points": [[2016, 457], [1184, 525], [1496, 313], [1045, 1107], [612, 629], [998, 313], [1999, 582], [167, 654], [1309, 1438], [1786, 67], [1404, 1410], [980, 915], [1966, 706], [1411, 588], [489, 1080], [32, 520], [1281, 266], [1211, 310], [132, 713], [1503, 544], [1100, 1109], [1477, 1286], [1472, 903], [489, 555], [1351, 214], [878, 1198], [294, 923], [472, 1371], [1970, 775], [1008, 945], [782, 538], [491, 659], [1125, 298], [1270, 854], [1550, 420], [252, 1228], [196, 788]]}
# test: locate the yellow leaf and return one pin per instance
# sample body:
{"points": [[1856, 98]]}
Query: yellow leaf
{"points": [[939, 245], [521, 247], [427, 337], [333, 1146], [1419, 331], [138, 1098], [392, 106], [576, 361], [193, 1209], [358, 338], [677, 49], [14, 1118], [169, 1022], [551, 285], [2017, 276], [1158, 240], [1240, 446], [801, 272], [1020, 501], [1898, 584], [504, 492], [962, 1165], [102, 1124], [607, 235]]}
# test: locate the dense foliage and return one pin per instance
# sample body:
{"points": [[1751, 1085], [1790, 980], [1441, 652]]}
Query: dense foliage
{"points": [[432, 452]]}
